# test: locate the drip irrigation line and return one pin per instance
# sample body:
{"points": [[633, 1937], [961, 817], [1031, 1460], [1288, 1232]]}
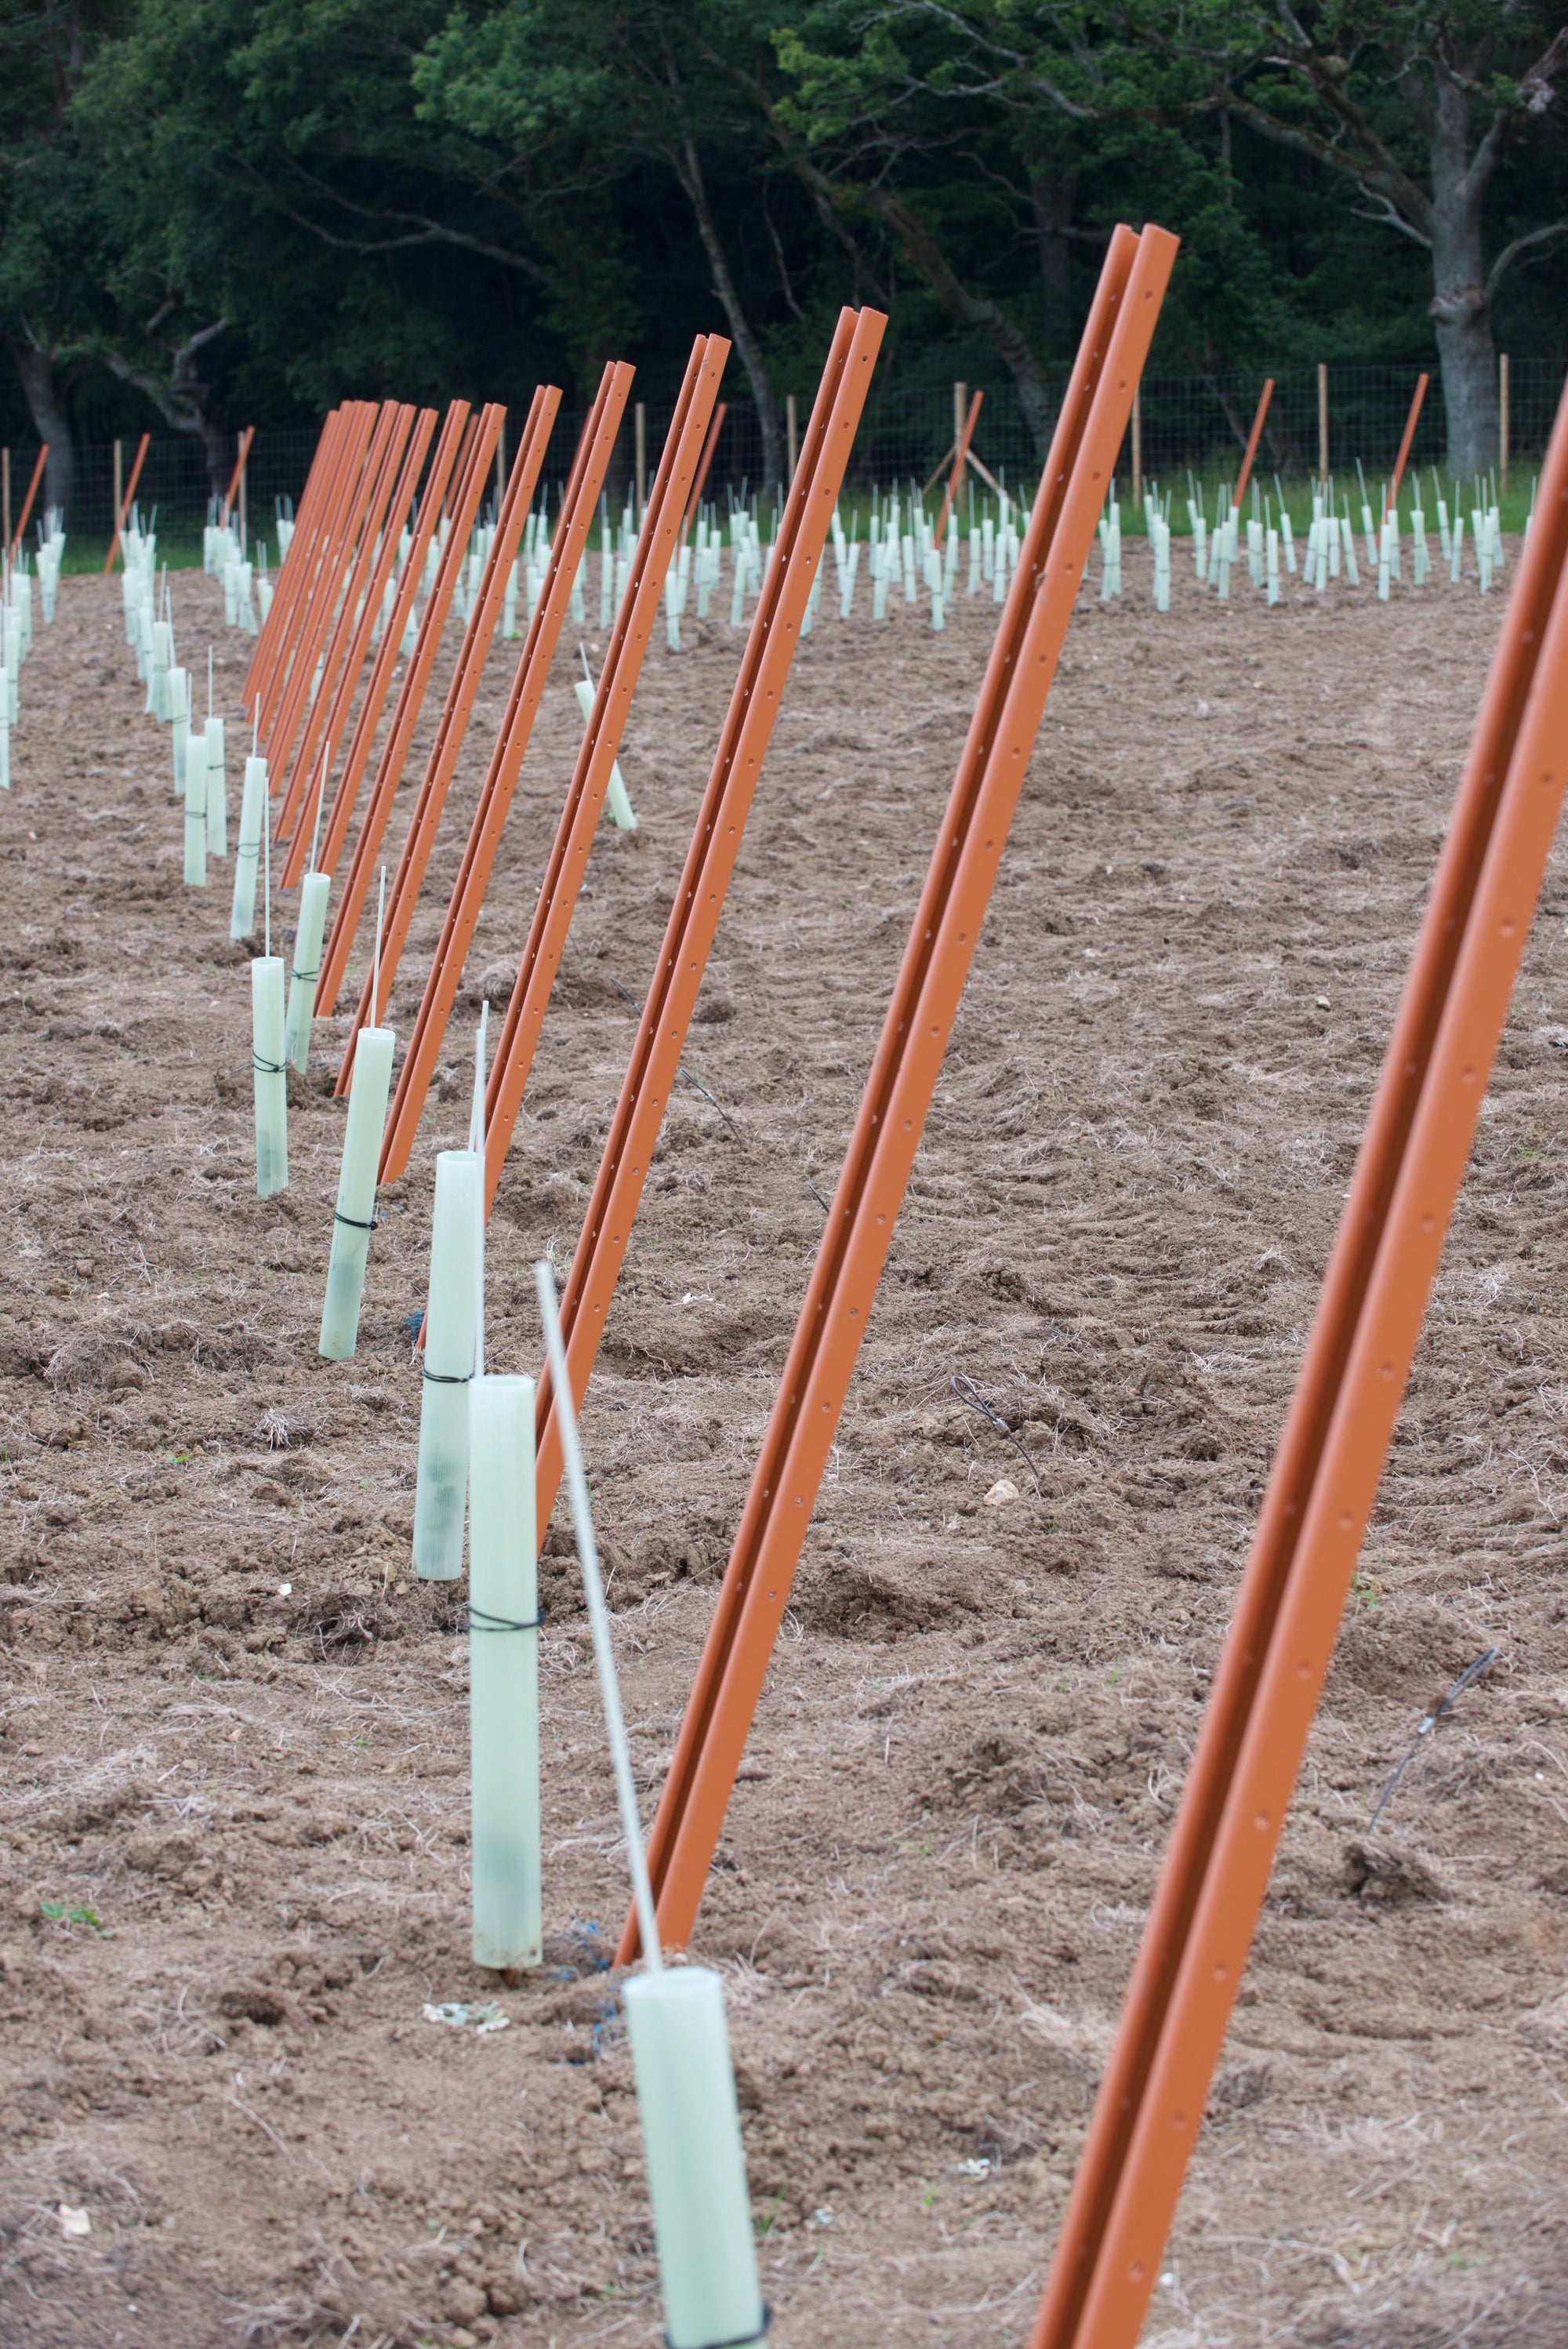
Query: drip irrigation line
{"points": [[964, 1387], [1428, 1721]]}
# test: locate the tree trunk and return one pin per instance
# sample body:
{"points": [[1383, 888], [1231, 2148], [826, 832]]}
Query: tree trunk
{"points": [[976, 310], [688, 171], [36, 368], [1052, 199], [1461, 314]]}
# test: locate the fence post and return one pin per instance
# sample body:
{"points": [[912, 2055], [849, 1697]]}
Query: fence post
{"points": [[244, 527], [1503, 418], [792, 432], [1321, 421], [1137, 447], [642, 425], [500, 469], [960, 410], [119, 492], [6, 496]]}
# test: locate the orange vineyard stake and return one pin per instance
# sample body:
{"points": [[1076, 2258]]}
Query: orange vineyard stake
{"points": [[710, 860], [1410, 422], [574, 520], [1253, 437], [314, 548], [314, 583], [341, 813], [903, 1078], [465, 498], [384, 468], [125, 503], [299, 561], [709, 445], [1329, 1463], [246, 436], [21, 531], [384, 553], [461, 692], [960, 460], [331, 582], [591, 777]]}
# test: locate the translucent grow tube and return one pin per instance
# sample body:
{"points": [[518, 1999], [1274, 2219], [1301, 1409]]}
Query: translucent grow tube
{"points": [[451, 1345], [267, 1057], [503, 1674], [369, 1088], [248, 852], [217, 791], [306, 969], [196, 812]]}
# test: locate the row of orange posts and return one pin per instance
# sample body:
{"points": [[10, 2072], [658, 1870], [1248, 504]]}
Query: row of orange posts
{"points": [[1325, 1474]]}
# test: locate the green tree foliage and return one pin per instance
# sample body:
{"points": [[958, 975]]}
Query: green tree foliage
{"points": [[217, 210]]}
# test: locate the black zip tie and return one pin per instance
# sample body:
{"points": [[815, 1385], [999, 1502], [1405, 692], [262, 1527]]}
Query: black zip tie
{"points": [[964, 1387], [1427, 1723], [302, 976], [737, 2341], [355, 1224], [268, 1068], [481, 1619], [818, 1196], [447, 1378]]}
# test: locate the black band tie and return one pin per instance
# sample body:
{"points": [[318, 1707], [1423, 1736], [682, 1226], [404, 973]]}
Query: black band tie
{"points": [[447, 1378], [268, 1068], [304, 977], [355, 1224], [481, 1619], [739, 2340]]}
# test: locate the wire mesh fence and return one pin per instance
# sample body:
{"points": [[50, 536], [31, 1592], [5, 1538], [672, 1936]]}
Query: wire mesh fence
{"points": [[1196, 422]]}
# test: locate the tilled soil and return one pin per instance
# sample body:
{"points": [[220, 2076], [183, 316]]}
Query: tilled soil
{"points": [[232, 1864]]}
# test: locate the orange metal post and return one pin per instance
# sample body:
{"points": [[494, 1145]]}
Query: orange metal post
{"points": [[709, 445], [126, 502], [384, 550], [903, 1074], [710, 860], [573, 524], [328, 596], [297, 560], [319, 554], [27, 502], [1253, 437], [465, 499], [960, 459], [440, 767], [1329, 1463], [246, 436], [354, 619], [1410, 423], [341, 812], [579, 817]]}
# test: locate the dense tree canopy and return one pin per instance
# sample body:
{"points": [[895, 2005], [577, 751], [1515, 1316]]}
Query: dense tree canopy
{"points": [[216, 210]]}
